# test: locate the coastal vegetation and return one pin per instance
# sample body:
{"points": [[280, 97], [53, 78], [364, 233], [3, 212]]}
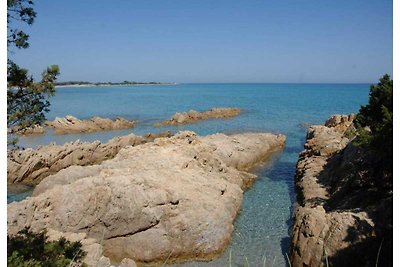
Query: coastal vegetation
{"points": [[33, 249], [27, 100], [374, 125]]}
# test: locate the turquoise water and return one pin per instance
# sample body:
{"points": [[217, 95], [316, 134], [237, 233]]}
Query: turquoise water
{"points": [[262, 228], [22, 194]]}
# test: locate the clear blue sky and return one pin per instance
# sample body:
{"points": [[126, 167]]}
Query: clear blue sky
{"points": [[212, 40]]}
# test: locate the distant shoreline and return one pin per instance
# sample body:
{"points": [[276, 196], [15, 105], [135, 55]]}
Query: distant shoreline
{"points": [[110, 84]]}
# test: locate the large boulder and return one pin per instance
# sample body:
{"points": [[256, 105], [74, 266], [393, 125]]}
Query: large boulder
{"points": [[175, 198]]}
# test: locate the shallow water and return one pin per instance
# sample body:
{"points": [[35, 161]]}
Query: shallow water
{"points": [[262, 228]]}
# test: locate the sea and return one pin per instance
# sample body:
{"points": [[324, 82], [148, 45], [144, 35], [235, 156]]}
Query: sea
{"points": [[262, 229]]}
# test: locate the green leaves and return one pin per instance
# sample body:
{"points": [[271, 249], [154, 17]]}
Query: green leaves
{"points": [[378, 115], [19, 11], [374, 124], [32, 249], [27, 100], [381, 95]]}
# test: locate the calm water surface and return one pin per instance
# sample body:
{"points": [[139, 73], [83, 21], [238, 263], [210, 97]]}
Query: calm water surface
{"points": [[263, 226]]}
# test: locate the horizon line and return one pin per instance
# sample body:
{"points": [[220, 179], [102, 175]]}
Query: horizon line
{"points": [[232, 82]]}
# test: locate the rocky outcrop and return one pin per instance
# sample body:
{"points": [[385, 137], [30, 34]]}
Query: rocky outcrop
{"points": [[70, 124], [175, 198], [126, 262], [194, 116], [30, 166], [35, 129], [334, 219], [94, 251]]}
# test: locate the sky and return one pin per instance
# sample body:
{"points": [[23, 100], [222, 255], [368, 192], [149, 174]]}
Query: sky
{"points": [[207, 41]]}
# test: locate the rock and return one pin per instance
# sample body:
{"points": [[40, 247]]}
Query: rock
{"points": [[35, 129], [321, 229], [340, 122], [194, 116], [239, 150], [94, 251], [174, 198], [103, 262], [128, 263], [180, 118], [94, 256], [70, 124], [30, 166], [328, 139], [324, 141]]}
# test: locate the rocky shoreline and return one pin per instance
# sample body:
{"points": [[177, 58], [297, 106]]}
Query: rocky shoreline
{"points": [[70, 124], [35, 129], [193, 116], [339, 219], [174, 198]]}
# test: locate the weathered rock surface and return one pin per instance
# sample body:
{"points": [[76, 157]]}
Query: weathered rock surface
{"points": [[94, 251], [70, 124], [35, 129], [193, 116], [327, 225], [30, 166], [126, 262], [175, 197]]}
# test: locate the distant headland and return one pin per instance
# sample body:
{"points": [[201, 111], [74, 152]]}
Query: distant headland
{"points": [[124, 83]]}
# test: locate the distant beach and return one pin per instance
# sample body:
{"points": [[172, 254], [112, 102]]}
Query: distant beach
{"points": [[112, 84]]}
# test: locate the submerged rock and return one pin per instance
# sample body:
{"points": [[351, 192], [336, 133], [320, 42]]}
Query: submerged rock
{"points": [[30, 166], [70, 124], [175, 198], [193, 116]]}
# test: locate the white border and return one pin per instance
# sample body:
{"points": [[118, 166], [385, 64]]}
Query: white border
{"points": [[3, 126], [396, 143], [3, 137]]}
